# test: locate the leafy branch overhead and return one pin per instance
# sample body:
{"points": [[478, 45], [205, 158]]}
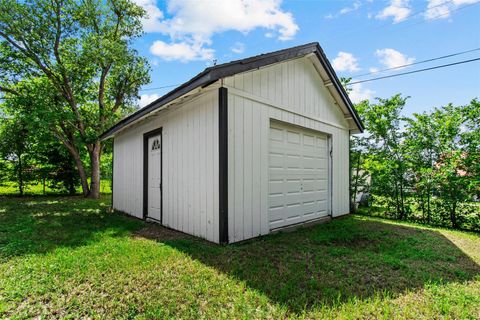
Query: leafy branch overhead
{"points": [[71, 65]]}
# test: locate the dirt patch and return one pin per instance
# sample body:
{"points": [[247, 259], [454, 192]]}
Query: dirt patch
{"points": [[159, 233]]}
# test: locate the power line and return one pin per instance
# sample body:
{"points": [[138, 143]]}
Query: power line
{"points": [[379, 71], [164, 87], [418, 62], [415, 71]]}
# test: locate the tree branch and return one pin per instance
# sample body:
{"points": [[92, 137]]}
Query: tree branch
{"points": [[8, 90]]}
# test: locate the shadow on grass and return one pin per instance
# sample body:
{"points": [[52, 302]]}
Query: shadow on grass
{"points": [[350, 258], [42, 223]]}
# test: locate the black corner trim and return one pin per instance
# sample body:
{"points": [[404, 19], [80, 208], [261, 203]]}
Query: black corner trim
{"points": [[223, 163], [113, 165], [146, 136]]}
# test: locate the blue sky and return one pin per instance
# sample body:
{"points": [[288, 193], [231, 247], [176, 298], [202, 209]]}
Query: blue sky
{"points": [[185, 36]]}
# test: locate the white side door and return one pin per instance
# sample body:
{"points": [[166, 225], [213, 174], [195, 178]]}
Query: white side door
{"points": [[155, 177], [298, 175]]}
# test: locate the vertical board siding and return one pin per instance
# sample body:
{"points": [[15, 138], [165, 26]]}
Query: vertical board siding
{"points": [[294, 84], [190, 167]]}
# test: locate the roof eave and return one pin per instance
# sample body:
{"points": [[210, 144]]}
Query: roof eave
{"points": [[338, 85]]}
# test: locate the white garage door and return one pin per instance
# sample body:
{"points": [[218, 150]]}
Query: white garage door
{"points": [[298, 175]]}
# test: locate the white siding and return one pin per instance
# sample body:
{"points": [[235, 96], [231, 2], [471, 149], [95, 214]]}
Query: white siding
{"points": [[292, 92], [190, 167]]}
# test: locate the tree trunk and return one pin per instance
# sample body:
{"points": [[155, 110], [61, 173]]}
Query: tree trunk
{"points": [[81, 172], [397, 203], [453, 215], [402, 200], [356, 183], [95, 173], [421, 200], [428, 204], [20, 175]]}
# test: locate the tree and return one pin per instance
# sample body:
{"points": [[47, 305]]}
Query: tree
{"points": [[70, 65], [455, 172], [470, 144], [56, 166], [15, 147], [359, 176], [422, 150], [386, 160]]}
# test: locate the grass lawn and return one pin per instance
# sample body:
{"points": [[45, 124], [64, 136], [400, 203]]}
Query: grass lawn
{"points": [[10, 188], [69, 258]]}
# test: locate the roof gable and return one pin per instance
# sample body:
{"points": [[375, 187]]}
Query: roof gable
{"points": [[212, 74]]}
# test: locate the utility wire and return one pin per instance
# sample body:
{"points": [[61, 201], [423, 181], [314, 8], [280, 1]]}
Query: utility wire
{"points": [[415, 71], [418, 62], [408, 25], [365, 74], [169, 86]]}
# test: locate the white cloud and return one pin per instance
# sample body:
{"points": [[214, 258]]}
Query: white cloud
{"points": [[399, 10], [204, 18], [358, 93], [145, 99], [152, 22], [392, 58], [238, 48], [345, 62], [373, 70], [193, 23], [182, 51], [441, 9], [355, 6]]}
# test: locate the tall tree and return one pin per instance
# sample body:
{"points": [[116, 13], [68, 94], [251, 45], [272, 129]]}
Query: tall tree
{"points": [[71, 64], [423, 150], [383, 122], [15, 148]]}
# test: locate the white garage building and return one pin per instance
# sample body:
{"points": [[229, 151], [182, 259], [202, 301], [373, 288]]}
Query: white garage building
{"points": [[241, 149]]}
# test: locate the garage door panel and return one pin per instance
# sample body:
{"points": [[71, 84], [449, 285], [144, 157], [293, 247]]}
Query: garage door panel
{"points": [[322, 205], [276, 161], [276, 134], [292, 199], [293, 137], [276, 201], [276, 187], [293, 161], [298, 175]]}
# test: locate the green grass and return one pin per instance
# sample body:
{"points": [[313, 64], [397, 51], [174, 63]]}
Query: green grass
{"points": [[10, 188], [70, 258]]}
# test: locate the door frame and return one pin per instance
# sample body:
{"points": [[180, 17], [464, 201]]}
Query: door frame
{"points": [[146, 136], [330, 173]]}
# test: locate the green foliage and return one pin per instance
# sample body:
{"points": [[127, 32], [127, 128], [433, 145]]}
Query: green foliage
{"points": [[69, 65], [386, 156], [34, 154], [16, 149], [424, 167]]}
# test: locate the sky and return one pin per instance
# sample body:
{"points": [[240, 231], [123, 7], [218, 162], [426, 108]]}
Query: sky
{"points": [[183, 37]]}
